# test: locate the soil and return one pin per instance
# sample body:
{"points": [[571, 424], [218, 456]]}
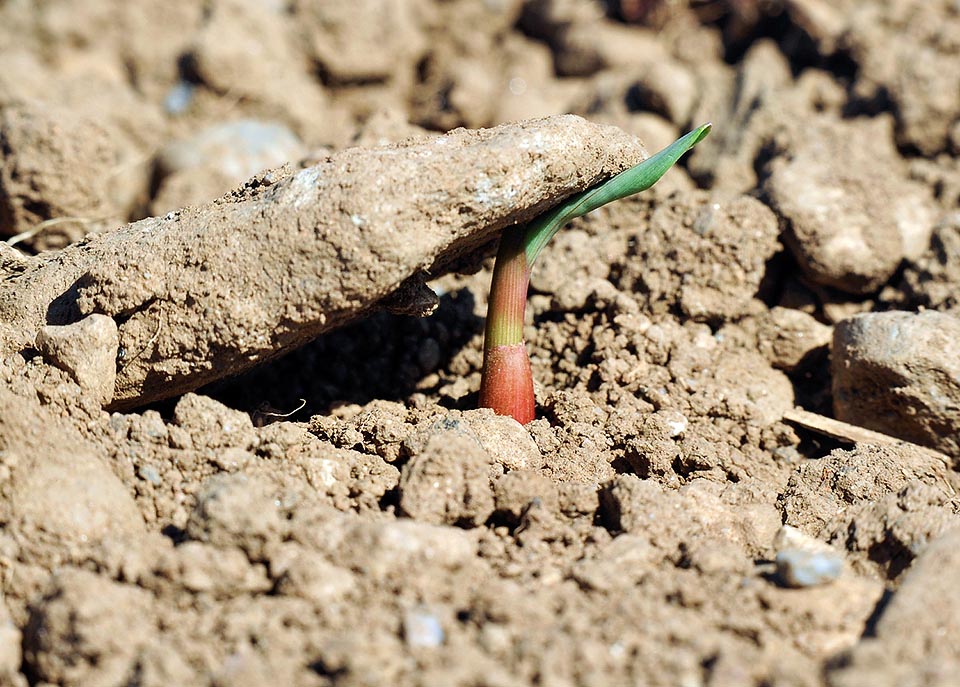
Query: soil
{"points": [[242, 289]]}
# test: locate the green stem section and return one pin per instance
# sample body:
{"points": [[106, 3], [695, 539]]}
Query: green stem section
{"points": [[508, 291]]}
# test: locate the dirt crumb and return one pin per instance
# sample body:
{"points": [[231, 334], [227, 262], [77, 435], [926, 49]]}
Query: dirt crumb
{"points": [[307, 573], [911, 642], [787, 337], [211, 424], [57, 168], [61, 501], [930, 280], [448, 482], [641, 506], [881, 503], [87, 631], [517, 490], [11, 651], [236, 510]]}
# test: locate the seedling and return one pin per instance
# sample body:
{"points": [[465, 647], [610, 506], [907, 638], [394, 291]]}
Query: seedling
{"points": [[506, 384]]}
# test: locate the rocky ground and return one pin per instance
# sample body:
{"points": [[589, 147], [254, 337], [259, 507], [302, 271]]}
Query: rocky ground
{"points": [[243, 278]]}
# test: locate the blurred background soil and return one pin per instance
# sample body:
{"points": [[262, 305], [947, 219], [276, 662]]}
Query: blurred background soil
{"points": [[345, 516]]}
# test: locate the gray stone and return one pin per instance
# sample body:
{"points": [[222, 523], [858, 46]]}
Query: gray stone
{"points": [[149, 473], [178, 98], [219, 158]]}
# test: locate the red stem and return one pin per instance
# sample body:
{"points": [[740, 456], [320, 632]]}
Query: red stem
{"points": [[506, 384]]}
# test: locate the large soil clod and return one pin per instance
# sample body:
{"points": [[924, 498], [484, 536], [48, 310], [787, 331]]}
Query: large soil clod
{"points": [[208, 291]]}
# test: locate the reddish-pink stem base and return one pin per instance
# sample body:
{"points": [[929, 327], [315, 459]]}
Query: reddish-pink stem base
{"points": [[507, 382]]}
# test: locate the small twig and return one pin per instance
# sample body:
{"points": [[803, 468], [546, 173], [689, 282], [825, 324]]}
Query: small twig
{"points": [[852, 434], [267, 413], [133, 161], [116, 170], [260, 417], [147, 345], [46, 224]]}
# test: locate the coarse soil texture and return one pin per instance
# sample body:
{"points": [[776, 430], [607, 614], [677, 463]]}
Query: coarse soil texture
{"points": [[245, 249]]}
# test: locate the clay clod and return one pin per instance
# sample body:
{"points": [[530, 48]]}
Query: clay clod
{"points": [[308, 251]]}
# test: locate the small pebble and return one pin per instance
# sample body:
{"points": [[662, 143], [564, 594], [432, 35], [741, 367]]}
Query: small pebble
{"points": [[231, 458], [800, 568], [178, 98], [676, 423], [149, 473], [421, 629]]}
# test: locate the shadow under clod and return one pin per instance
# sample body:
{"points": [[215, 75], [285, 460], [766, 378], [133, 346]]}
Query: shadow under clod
{"points": [[383, 356], [63, 309]]}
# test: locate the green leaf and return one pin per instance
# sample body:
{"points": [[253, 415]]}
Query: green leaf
{"points": [[634, 180]]}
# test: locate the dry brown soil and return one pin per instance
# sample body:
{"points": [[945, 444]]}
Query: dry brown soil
{"points": [[243, 275]]}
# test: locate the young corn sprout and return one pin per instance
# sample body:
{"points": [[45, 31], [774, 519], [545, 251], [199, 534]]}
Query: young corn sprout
{"points": [[506, 384]]}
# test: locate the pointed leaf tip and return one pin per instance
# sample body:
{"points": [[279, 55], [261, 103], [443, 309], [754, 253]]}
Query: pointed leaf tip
{"points": [[701, 132], [634, 180]]}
